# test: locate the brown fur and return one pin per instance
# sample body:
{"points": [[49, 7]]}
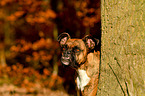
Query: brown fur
{"points": [[78, 42], [91, 66], [88, 69]]}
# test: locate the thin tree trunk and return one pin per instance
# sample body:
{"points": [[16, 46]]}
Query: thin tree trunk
{"points": [[123, 48], [2, 55], [6, 39]]}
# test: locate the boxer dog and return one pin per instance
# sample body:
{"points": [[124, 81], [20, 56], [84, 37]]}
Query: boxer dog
{"points": [[80, 54]]}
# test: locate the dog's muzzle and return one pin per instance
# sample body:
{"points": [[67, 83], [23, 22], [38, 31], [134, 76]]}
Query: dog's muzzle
{"points": [[65, 60], [68, 59]]}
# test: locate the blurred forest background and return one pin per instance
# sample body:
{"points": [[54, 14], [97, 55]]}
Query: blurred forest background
{"points": [[29, 51]]}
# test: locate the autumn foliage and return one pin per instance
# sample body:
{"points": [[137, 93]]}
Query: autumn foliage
{"points": [[28, 33], [34, 70]]}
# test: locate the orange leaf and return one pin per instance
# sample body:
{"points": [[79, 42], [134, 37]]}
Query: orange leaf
{"points": [[26, 70], [50, 14], [14, 67], [26, 81], [46, 71], [28, 59], [80, 14], [11, 18], [19, 13]]}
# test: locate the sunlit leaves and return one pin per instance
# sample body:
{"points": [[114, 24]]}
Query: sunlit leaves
{"points": [[33, 10], [23, 46], [40, 12], [30, 78], [47, 14], [85, 13], [4, 2], [30, 57], [2, 14], [46, 72], [41, 17], [37, 52], [35, 55]]}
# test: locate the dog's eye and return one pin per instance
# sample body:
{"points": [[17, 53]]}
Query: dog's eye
{"points": [[77, 50], [63, 49]]}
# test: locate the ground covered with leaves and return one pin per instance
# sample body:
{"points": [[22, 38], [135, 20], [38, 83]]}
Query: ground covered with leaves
{"points": [[10, 90], [20, 81]]}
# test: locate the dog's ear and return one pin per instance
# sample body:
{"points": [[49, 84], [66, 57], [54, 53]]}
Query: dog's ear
{"points": [[90, 42], [63, 37]]}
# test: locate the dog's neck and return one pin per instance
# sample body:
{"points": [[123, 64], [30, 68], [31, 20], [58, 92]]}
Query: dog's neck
{"points": [[86, 70], [90, 60]]}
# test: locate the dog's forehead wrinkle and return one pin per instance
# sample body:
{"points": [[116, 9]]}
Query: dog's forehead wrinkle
{"points": [[75, 42]]}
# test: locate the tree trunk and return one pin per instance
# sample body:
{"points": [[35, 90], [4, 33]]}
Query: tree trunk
{"points": [[123, 48], [2, 55], [6, 39]]}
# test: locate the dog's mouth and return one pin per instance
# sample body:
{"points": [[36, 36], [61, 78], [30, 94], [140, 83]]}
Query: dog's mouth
{"points": [[69, 61], [65, 61]]}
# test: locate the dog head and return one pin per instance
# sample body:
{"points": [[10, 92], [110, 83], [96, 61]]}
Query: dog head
{"points": [[74, 51]]}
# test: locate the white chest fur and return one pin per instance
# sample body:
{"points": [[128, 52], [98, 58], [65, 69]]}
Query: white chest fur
{"points": [[82, 79]]}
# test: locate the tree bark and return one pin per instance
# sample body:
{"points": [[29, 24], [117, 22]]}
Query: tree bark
{"points": [[123, 48], [2, 55]]}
